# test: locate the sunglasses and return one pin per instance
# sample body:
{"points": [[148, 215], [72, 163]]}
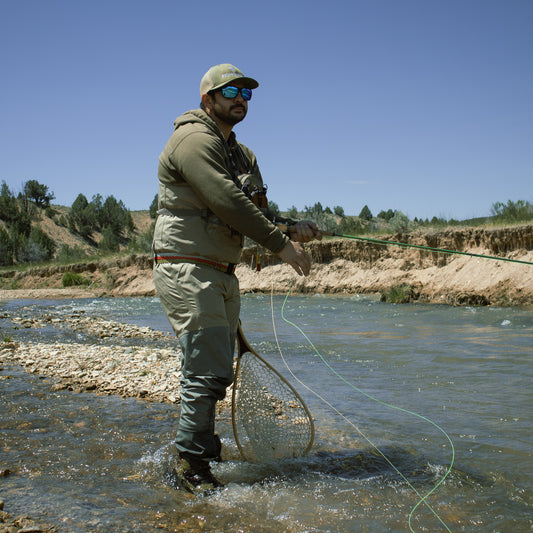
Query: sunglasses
{"points": [[232, 92]]}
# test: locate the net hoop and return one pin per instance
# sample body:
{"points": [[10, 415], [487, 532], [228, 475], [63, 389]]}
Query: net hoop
{"points": [[243, 348]]}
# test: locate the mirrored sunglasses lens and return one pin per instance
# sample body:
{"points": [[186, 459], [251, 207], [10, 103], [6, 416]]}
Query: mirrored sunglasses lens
{"points": [[246, 94], [229, 92]]}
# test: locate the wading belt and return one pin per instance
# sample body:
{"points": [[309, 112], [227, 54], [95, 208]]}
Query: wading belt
{"points": [[228, 268]]}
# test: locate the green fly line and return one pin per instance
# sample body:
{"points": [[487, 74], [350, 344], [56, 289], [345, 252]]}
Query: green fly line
{"points": [[426, 248], [423, 498]]}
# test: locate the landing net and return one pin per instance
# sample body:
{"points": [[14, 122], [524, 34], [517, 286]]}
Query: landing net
{"points": [[270, 420]]}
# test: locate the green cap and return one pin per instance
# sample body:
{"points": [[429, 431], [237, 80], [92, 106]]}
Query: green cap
{"points": [[221, 75]]}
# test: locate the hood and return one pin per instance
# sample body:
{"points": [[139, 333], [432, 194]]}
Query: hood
{"points": [[198, 116]]}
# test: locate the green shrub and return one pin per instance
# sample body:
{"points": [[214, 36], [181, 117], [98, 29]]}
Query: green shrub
{"points": [[399, 294], [519, 211], [71, 279], [143, 243], [6, 248], [31, 252], [154, 206], [399, 223], [68, 253], [50, 212], [44, 241], [351, 226], [110, 241]]}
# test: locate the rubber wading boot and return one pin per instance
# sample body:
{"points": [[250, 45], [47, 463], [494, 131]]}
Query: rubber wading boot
{"points": [[194, 475]]}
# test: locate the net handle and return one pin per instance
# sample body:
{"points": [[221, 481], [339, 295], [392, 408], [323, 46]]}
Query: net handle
{"points": [[242, 344], [244, 347]]}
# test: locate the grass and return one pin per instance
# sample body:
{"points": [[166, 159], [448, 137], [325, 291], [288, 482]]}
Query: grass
{"points": [[71, 279]]}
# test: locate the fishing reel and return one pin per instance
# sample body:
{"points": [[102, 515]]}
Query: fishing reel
{"points": [[254, 190]]}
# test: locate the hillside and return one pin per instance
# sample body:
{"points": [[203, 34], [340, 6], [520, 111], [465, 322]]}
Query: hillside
{"points": [[341, 266], [62, 235]]}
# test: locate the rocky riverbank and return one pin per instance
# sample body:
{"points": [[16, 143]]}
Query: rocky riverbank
{"points": [[108, 361], [145, 371]]}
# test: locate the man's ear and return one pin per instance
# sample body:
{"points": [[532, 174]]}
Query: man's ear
{"points": [[207, 101]]}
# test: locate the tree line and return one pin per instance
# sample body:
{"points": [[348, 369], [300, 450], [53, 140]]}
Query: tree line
{"points": [[395, 221]]}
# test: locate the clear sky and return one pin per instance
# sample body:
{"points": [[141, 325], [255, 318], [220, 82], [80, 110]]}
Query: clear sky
{"points": [[424, 106]]}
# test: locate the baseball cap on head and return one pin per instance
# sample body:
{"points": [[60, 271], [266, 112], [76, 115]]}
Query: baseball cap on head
{"points": [[220, 75]]}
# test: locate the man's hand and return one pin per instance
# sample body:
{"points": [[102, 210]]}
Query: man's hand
{"points": [[304, 231], [297, 257]]}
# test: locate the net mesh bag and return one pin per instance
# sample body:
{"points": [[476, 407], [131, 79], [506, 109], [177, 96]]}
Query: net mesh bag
{"points": [[270, 420]]}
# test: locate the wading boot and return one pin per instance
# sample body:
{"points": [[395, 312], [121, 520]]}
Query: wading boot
{"points": [[194, 475]]}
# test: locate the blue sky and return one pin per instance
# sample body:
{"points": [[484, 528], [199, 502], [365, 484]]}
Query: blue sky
{"points": [[419, 105]]}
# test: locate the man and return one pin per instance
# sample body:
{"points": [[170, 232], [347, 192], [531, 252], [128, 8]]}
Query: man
{"points": [[208, 183]]}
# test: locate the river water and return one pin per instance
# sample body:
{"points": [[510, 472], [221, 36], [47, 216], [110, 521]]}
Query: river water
{"points": [[407, 400]]}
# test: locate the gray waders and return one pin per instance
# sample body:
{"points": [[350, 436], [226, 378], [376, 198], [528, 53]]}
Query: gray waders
{"points": [[202, 305]]}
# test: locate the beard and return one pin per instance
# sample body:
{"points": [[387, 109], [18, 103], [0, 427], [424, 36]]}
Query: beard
{"points": [[230, 116]]}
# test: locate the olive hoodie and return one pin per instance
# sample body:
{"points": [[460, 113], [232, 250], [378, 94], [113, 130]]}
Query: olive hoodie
{"points": [[202, 211]]}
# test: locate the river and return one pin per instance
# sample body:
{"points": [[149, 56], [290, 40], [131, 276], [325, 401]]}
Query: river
{"points": [[407, 400]]}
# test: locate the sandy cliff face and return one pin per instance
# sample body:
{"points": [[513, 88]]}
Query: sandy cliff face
{"points": [[496, 241], [352, 266], [340, 266]]}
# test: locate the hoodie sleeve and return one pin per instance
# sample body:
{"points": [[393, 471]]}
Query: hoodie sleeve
{"points": [[199, 159]]}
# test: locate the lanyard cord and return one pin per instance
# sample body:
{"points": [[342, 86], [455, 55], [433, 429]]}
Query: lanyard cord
{"points": [[423, 498]]}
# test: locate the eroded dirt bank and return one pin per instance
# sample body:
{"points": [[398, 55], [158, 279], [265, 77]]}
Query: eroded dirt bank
{"points": [[340, 266]]}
